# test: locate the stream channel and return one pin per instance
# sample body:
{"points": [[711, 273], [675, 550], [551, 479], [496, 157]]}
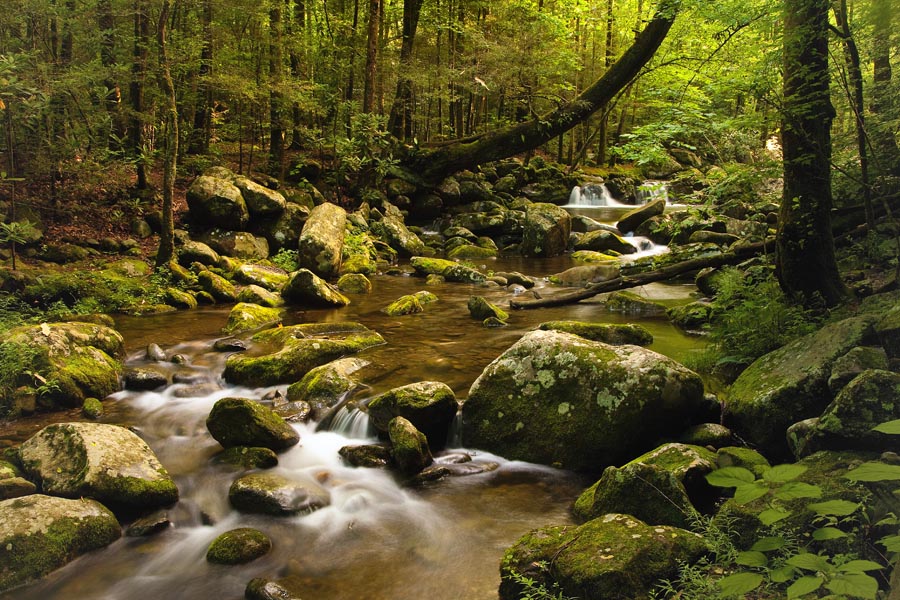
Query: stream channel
{"points": [[377, 540]]}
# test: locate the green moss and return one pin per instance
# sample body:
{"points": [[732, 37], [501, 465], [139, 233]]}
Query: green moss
{"points": [[247, 317], [180, 299], [404, 305], [245, 422], [238, 546], [481, 309], [92, 408], [448, 269], [217, 286], [470, 252], [603, 332], [248, 457], [354, 283], [590, 256]]}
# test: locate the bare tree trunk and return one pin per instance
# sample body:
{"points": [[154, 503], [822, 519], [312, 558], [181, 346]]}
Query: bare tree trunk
{"points": [[138, 77], [298, 22], [113, 97], [276, 127], [400, 121], [166, 250], [202, 132], [368, 105]]}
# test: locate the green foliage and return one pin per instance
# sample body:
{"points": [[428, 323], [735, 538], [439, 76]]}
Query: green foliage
{"points": [[533, 590], [366, 156], [287, 259]]}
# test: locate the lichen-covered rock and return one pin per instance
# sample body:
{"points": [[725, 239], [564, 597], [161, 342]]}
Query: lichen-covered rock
{"points": [[431, 406], [404, 305], [470, 252], [872, 398], [82, 359], [322, 239], [557, 398], [616, 333], [248, 457], [95, 460], [238, 546], [582, 275], [394, 232], [268, 277], [790, 384], [323, 387], [247, 317], [688, 464], [857, 360], [297, 350], [254, 294], [39, 534], [481, 309], [634, 304], [692, 316], [738, 456], [645, 491], [305, 287], [547, 228], [409, 446], [16, 487], [632, 219], [138, 378], [615, 557], [888, 330], [260, 200], [192, 251], [180, 298], [354, 283], [273, 494], [238, 244], [245, 422], [448, 269], [284, 230], [217, 286], [708, 434], [604, 241], [217, 202]]}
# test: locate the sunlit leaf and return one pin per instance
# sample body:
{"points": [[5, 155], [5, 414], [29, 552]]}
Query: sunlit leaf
{"points": [[805, 585], [857, 585], [783, 473], [773, 515], [839, 508], [809, 561], [860, 566], [874, 471], [797, 489], [782, 574], [891, 427], [749, 492], [768, 544], [739, 584], [827, 533], [730, 477], [891, 543], [752, 559]]}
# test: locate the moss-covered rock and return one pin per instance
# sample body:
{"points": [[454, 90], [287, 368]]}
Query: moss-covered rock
{"points": [[888, 330], [409, 446], [265, 276], [404, 305], [689, 465], [237, 244], [481, 309], [616, 333], [857, 360], [634, 304], [708, 434], [447, 269], [557, 398], [738, 456], [254, 294], [372, 456], [245, 422], [96, 460], [583, 275], [322, 239], [471, 252], [394, 232], [284, 230], [615, 557], [217, 202], [247, 317], [39, 534], [197, 252], [354, 283], [238, 546], [305, 287], [547, 228], [180, 298], [692, 316], [431, 406], [217, 286], [92, 408], [248, 457], [590, 256], [273, 494], [604, 242], [323, 387], [142, 378], [645, 491], [260, 200], [359, 253], [631, 220], [790, 384], [297, 349]]}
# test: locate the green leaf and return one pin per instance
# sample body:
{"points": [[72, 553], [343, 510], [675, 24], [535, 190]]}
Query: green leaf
{"points": [[857, 585], [752, 559], [874, 471], [730, 477], [797, 489], [739, 584], [773, 515], [827, 533], [783, 473], [749, 492], [891, 543], [767, 544], [891, 427], [839, 508], [860, 566], [809, 561], [805, 585], [782, 574]]}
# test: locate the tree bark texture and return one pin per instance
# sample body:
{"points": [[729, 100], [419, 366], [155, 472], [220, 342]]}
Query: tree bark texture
{"points": [[371, 77], [202, 131], [400, 121], [138, 75], [276, 127], [166, 250]]}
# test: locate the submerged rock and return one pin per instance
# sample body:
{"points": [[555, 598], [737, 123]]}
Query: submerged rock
{"points": [[136, 378], [634, 304], [323, 387], [264, 589], [404, 305], [238, 546], [368, 455], [481, 309], [245, 422], [246, 457]]}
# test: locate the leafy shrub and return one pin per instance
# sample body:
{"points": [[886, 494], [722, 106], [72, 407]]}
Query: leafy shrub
{"points": [[289, 260]]}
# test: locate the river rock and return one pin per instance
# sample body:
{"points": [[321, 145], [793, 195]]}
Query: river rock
{"points": [[305, 287], [409, 446], [274, 494], [689, 465], [95, 460], [321, 240], [254, 294], [583, 275], [447, 269], [857, 360], [217, 202], [284, 230], [547, 228], [260, 200], [872, 398], [431, 406], [404, 305], [354, 283], [264, 589], [297, 350], [631, 220], [708, 434], [615, 557], [82, 359], [557, 398], [245, 422], [470, 252], [180, 299], [265, 276], [136, 378], [238, 546], [324, 386], [634, 304], [395, 234], [481, 309], [237, 244], [41, 533], [217, 286], [604, 241], [368, 455], [616, 334], [193, 251], [790, 384], [247, 317]]}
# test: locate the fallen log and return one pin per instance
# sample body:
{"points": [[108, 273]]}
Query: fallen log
{"points": [[731, 257]]}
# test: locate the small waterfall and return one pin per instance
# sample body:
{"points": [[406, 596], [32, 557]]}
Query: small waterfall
{"points": [[651, 190], [352, 423], [592, 194]]}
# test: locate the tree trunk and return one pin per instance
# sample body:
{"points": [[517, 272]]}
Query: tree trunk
{"points": [[138, 75], [202, 132], [883, 104], [521, 137], [400, 121], [276, 127], [166, 251], [113, 97], [298, 22], [371, 56], [806, 266], [603, 133]]}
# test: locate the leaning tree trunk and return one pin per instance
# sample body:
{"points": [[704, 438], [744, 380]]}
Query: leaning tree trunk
{"points": [[166, 250], [806, 266], [515, 139]]}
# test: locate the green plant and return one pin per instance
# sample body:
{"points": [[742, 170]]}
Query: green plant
{"points": [[16, 362], [534, 590], [287, 259], [16, 232]]}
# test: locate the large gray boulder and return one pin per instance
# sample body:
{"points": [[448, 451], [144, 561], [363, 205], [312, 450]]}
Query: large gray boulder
{"points": [[217, 202], [547, 228], [261, 201], [632, 219], [95, 460], [321, 240], [245, 422], [559, 399], [429, 405], [39, 534], [604, 241], [284, 230], [274, 494], [238, 244]]}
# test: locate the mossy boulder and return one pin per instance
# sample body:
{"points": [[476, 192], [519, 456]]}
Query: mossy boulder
{"points": [[324, 386], [614, 557], [404, 305], [631, 220], [273, 494], [16, 487], [790, 384], [237, 244], [261, 201], [284, 230], [359, 254], [297, 349], [615, 333], [409, 446], [470, 252], [604, 241], [254, 294], [888, 330], [431, 406], [583, 275], [393, 231], [857, 360], [39, 534], [217, 202], [245, 422], [248, 457], [872, 398], [92, 408], [265, 276], [142, 378], [238, 546], [547, 229], [180, 298], [557, 398], [82, 359], [371, 456], [95, 460], [692, 316], [447, 269], [645, 491], [590, 256], [306, 288], [708, 434], [217, 286], [739, 456], [481, 309], [197, 252], [689, 465], [322, 239], [634, 304], [247, 317], [354, 283]]}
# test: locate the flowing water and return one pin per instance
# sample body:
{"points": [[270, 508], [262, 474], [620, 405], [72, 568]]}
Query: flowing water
{"points": [[377, 539]]}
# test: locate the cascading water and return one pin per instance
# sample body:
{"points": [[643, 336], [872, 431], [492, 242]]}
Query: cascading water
{"points": [[592, 194]]}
